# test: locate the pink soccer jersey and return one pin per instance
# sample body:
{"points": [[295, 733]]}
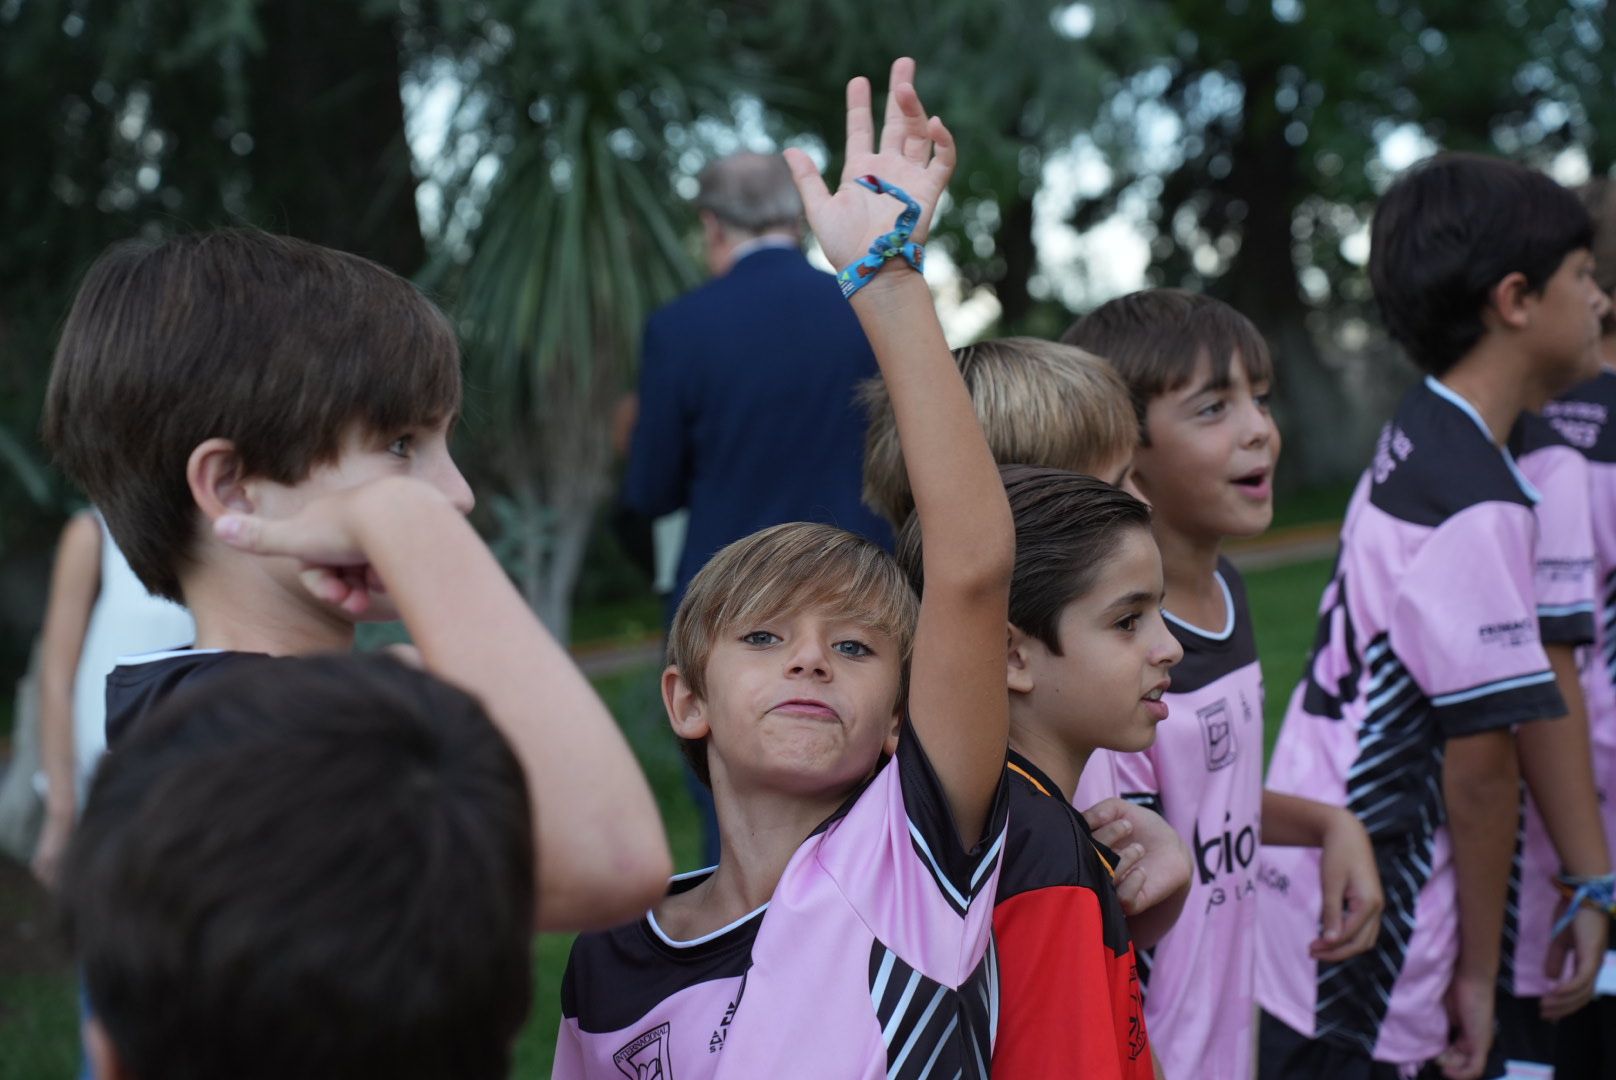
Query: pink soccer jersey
{"points": [[1564, 591], [1428, 630], [872, 959], [1204, 775], [1584, 418]]}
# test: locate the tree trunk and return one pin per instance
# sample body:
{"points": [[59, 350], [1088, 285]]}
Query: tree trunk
{"points": [[1020, 253], [326, 109], [1324, 440]]}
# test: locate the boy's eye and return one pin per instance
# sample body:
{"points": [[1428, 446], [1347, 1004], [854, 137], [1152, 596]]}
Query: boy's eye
{"points": [[760, 637], [1211, 408], [401, 446], [853, 648], [1128, 623], [1263, 399]]}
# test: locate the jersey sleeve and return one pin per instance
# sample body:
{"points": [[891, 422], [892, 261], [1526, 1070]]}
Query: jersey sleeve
{"points": [[1564, 573], [1464, 622], [899, 860]]}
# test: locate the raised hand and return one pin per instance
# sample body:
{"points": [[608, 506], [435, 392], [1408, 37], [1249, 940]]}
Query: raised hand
{"points": [[915, 153]]}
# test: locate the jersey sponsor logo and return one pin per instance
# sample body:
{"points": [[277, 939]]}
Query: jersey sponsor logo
{"points": [[1217, 728], [721, 1032], [1578, 422], [647, 1057], [1392, 447], [1227, 852], [1564, 569], [1276, 880], [1509, 634]]}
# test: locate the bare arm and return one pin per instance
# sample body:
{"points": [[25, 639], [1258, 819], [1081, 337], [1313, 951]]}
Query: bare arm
{"points": [[602, 856], [957, 699], [1481, 787], [1556, 763], [1349, 880], [1556, 758], [75, 583]]}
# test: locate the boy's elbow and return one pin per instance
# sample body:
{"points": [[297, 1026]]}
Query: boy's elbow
{"points": [[613, 885]]}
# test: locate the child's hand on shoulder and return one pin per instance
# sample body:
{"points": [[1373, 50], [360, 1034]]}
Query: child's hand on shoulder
{"points": [[1162, 866], [327, 537], [915, 153]]}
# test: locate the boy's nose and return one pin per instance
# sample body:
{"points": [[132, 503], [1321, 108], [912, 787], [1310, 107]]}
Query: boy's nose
{"points": [[808, 658]]}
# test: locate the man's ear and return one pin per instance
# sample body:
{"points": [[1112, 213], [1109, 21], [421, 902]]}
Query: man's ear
{"points": [[1018, 675], [218, 482], [1508, 303], [104, 1061], [687, 713]]}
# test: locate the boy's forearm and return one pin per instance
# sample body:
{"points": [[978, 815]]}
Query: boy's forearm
{"points": [[1557, 764], [57, 752], [1481, 787], [1292, 821], [965, 518], [602, 854]]}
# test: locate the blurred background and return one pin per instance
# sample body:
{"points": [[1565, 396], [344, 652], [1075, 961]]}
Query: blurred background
{"points": [[529, 163]]}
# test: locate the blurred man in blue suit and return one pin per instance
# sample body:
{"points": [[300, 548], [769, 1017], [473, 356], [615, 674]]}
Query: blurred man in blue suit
{"points": [[747, 415]]}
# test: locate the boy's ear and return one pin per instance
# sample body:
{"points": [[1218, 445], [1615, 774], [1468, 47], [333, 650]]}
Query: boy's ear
{"points": [[1018, 667], [218, 482], [1507, 305], [889, 745], [687, 713]]}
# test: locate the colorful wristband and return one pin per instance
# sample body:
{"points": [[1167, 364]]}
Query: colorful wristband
{"points": [[893, 245], [1598, 893]]}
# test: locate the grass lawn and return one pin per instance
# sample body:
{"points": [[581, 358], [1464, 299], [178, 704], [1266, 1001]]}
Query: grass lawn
{"points": [[37, 1024]]}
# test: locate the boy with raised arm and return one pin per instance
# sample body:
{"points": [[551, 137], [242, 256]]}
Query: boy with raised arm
{"points": [[845, 930], [208, 388]]}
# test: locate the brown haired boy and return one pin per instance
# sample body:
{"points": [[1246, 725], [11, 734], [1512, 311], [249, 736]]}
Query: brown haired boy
{"points": [[213, 390]]}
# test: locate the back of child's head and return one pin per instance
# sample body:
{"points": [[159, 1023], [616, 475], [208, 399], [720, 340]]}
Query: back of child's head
{"points": [[1599, 199], [1448, 231], [276, 344], [799, 566], [1039, 403], [1067, 526], [314, 868], [1155, 339]]}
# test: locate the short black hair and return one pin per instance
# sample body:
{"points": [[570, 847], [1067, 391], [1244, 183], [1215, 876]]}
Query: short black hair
{"points": [[1155, 337], [312, 868], [1067, 528], [1450, 229], [274, 343]]}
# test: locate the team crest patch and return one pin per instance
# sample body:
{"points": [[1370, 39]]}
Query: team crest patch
{"points": [[1218, 731], [647, 1057]]}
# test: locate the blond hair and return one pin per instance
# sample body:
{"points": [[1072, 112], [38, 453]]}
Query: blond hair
{"points": [[1039, 403], [786, 568]]}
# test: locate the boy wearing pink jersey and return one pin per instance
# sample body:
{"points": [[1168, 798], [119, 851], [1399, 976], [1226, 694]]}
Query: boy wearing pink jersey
{"points": [[845, 931], [1586, 418], [1198, 373], [1535, 988], [1429, 650]]}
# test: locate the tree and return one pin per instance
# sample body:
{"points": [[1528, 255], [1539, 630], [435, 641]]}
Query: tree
{"points": [[1282, 110]]}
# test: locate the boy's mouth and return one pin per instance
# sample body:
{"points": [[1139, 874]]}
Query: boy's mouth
{"points": [[1254, 483], [809, 707], [1154, 705]]}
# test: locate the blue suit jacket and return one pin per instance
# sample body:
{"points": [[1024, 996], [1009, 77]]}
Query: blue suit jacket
{"points": [[747, 412]]}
